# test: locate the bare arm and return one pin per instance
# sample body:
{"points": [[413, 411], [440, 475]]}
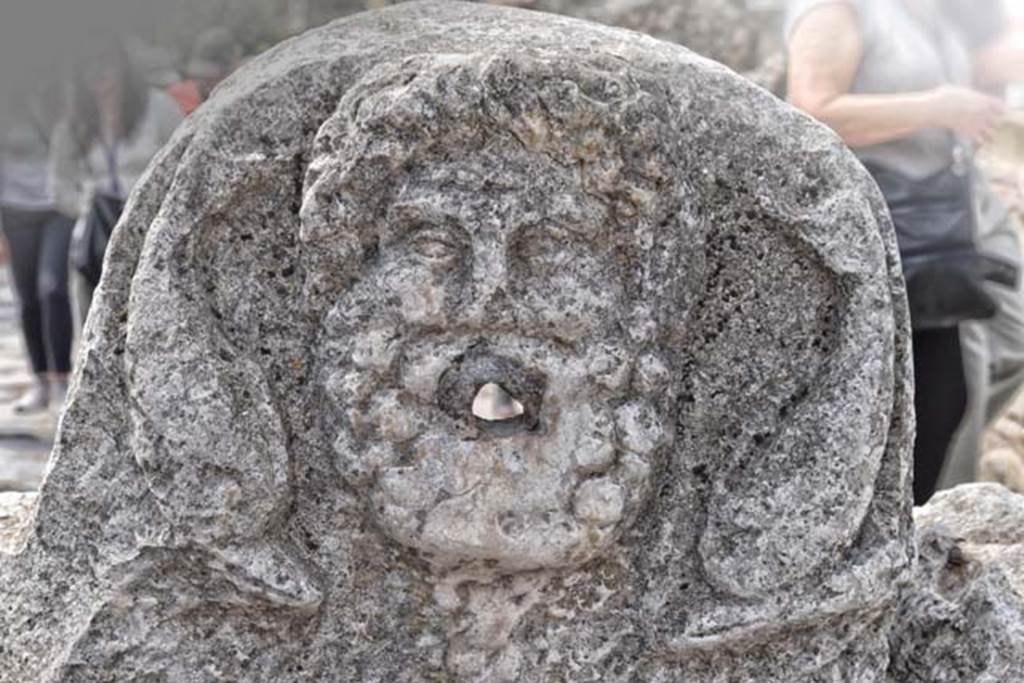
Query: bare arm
{"points": [[65, 174], [1001, 61], [825, 50]]}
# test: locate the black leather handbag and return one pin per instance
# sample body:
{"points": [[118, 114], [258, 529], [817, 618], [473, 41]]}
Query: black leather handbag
{"points": [[936, 228], [89, 243]]}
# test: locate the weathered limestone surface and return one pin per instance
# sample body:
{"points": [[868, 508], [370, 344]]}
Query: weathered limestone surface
{"points": [[746, 40], [987, 522], [15, 516], [270, 470], [962, 618], [746, 36]]}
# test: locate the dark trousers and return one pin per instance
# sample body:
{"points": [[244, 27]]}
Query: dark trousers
{"points": [[940, 400], [38, 242]]}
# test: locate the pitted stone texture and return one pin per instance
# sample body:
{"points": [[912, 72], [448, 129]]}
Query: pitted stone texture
{"points": [[987, 521], [746, 36], [962, 618], [270, 469], [733, 32]]}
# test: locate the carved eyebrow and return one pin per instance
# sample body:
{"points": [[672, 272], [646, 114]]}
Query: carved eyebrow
{"points": [[405, 216], [412, 210], [581, 229], [560, 230], [584, 224]]}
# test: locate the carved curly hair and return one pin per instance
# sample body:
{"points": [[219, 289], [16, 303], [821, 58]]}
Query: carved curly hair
{"points": [[609, 120]]}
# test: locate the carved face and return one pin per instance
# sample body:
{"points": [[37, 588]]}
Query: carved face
{"points": [[494, 270]]}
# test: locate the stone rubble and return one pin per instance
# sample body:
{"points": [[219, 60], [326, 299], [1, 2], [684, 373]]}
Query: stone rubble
{"points": [[962, 617]]}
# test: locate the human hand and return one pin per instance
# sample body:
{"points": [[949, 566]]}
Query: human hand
{"points": [[971, 114]]}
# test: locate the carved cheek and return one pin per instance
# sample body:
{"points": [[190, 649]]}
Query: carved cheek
{"points": [[424, 304], [574, 310], [565, 283], [419, 294]]}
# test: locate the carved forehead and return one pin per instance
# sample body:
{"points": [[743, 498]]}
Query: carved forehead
{"points": [[483, 192]]}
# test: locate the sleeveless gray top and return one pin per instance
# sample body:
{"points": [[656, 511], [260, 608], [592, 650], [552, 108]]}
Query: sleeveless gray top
{"points": [[902, 54]]}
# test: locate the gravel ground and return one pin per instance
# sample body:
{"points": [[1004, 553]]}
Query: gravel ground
{"points": [[24, 441]]}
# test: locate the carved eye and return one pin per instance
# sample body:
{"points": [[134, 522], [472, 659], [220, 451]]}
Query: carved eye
{"points": [[433, 245], [543, 247]]}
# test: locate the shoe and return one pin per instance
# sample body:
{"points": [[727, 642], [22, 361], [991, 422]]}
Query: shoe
{"points": [[35, 400], [58, 394]]}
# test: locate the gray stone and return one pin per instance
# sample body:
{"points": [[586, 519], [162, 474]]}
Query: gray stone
{"points": [[744, 38], [962, 616], [15, 517], [987, 522], [269, 468]]}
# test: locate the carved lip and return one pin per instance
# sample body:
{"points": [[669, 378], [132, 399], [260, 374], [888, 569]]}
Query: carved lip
{"points": [[469, 372]]}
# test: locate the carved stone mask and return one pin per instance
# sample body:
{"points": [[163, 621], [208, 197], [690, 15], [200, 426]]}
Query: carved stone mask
{"points": [[494, 264], [419, 358]]}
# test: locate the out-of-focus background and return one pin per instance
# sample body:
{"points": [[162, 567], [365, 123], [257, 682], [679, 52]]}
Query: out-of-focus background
{"points": [[40, 34], [41, 39]]}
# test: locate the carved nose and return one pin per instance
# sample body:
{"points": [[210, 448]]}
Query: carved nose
{"points": [[498, 394], [490, 273], [489, 301]]}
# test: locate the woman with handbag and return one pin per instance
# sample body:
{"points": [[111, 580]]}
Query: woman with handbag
{"points": [[37, 238], [993, 348], [893, 79], [114, 125]]}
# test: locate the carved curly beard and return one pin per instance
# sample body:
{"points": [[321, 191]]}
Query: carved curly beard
{"points": [[550, 492]]}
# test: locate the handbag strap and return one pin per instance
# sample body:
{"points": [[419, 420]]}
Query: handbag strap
{"points": [[110, 156]]}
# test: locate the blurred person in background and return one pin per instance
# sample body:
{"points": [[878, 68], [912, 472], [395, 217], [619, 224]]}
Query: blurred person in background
{"points": [[38, 237], [896, 79], [993, 349], [156, 64], [114, 125], [215, 55]]}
